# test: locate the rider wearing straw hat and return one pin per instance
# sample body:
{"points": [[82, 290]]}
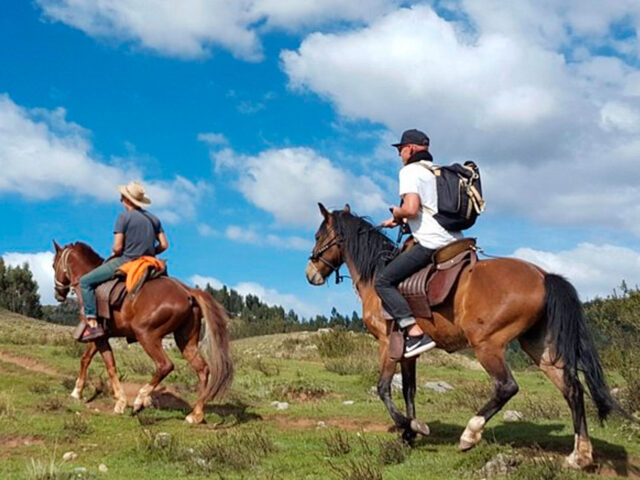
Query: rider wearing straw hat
{"points": [[137, 233]]}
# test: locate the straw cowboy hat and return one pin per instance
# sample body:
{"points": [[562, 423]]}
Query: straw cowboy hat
{"points": [[134, 192]]}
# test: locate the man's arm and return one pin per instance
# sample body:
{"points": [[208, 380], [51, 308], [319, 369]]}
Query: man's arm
{"points": [[118, 244], [163, 243], [410, 207]]}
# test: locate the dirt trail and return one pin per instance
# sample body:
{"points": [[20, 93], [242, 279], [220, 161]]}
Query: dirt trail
{"points": [[29, 364]]}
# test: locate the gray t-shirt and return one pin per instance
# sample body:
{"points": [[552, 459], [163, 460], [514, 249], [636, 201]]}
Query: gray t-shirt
{"points": [[140, 229]]}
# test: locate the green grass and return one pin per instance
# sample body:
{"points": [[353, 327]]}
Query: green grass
{"points": [[245, 436]]}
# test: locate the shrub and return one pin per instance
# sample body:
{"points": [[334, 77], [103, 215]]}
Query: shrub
{"points": [[75, 427], [234, 450], [337, 443], [7, 408], [266, 368], [393, 452], [361, 469]]}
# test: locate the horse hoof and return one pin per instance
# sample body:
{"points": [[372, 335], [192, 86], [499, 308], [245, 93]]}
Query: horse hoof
{"points": [[466, 446], [147, 402], [119, 408], [408, 436], [194, 419], [420, 427], [75, 394], [576, 462]]}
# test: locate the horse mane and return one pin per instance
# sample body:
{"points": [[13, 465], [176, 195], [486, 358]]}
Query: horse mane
{"points": [[86, 252], [367, 246]]}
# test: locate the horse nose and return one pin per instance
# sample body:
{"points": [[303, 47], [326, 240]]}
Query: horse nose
{"points": [[313, 275]]}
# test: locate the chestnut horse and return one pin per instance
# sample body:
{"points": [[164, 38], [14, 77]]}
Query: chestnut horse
{"points": [[495, 301], [161, 307]]}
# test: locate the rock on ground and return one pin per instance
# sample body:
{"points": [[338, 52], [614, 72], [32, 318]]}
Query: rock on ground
{"points": [[439, 386], [512, 416]]}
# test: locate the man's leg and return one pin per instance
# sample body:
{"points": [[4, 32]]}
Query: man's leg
{"points": [[401, 267], [88, 284]]}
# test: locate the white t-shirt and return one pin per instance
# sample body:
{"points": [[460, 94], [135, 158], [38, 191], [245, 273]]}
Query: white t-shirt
{"points": [[414, 178]]}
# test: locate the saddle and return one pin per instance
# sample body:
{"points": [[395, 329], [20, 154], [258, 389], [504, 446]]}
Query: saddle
{"points": [[432, 285], [111, 294]]}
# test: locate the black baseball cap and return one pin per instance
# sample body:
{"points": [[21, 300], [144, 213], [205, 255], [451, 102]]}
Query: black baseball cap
{"points": [[413, 136]]}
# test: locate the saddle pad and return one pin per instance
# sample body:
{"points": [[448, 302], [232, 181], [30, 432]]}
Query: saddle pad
{"points": [[110, 296], [431, 286]]}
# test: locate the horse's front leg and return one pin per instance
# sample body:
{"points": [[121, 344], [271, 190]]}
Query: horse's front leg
{"points": [[85, 361], [408, 368], [387, 369], [110, 363]]}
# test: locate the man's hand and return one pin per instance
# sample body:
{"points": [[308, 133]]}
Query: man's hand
{"points": [[389, 223]]}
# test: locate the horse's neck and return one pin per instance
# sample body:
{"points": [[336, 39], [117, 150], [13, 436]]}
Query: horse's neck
{"points": [[79, 265]]}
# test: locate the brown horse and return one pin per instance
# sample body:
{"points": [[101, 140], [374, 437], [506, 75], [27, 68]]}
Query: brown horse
{"points": [[496, 301], [161, 307]]}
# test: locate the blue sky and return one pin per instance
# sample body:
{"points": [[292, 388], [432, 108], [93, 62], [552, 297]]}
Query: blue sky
{"points": [[239, 116]]}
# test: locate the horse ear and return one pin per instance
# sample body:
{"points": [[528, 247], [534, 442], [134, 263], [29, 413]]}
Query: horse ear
{"points": [[56, 246], [347, 208], [325, 213]]}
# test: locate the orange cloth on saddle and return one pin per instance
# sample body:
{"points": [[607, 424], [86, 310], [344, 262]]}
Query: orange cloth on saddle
{"points": [[136, 269]]}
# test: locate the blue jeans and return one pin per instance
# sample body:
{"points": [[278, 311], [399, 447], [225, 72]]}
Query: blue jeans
{"points": [[90, 281], [388, 279]]}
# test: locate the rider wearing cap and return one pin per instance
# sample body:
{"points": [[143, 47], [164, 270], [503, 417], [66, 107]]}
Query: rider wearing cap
{"points": [[137, 233], [419, 204]]}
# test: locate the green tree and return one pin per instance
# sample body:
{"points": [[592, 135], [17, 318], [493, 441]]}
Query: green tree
{"points": [[19, 291]]}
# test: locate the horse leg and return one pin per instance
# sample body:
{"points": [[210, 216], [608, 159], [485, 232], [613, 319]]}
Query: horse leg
{"points": [[187, 341], [408, 369], [85, 361], [491, 357], [540, 353], [387, 369], [104, 348], [164, 366]]}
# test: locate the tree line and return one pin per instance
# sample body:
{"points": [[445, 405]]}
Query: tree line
{"points": [[19, 291]]}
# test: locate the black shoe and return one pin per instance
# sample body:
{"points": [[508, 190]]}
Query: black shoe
{"points": [[414, 346]]}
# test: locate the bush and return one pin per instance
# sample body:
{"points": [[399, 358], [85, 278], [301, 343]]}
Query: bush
{"points": [[394, 451], [234, 450], [337, 443]]}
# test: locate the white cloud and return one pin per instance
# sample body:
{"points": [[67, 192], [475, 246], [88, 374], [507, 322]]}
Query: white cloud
{"points": [[41, 266], [202, 281], [556, 139], [213, 139], [595, 270], [42, 155], [252, 236], [190, 28], [269, 296], [289, 182]]}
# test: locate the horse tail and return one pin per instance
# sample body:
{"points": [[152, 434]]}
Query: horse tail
{"points": [[573, 345], [215, 344]]}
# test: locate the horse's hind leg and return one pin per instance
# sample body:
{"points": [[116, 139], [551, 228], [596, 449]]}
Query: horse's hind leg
{"points": [[492, 359], [187, 341], [539, 351], [85, 361], [164, 366]]}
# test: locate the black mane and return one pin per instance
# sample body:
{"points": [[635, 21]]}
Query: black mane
{"points": [[365, 244]]}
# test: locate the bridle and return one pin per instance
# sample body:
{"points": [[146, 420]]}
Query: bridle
{"points": [[62, 289], [316, 256]]}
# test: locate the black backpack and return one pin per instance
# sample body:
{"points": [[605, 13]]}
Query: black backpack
{"points": [[459, 195]]}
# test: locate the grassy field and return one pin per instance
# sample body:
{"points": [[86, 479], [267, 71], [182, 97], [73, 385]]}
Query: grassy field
{"points": [[246, 436]]}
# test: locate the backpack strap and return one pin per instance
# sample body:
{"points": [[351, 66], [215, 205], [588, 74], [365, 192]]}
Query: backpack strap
{"points": [[435, 169]]}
